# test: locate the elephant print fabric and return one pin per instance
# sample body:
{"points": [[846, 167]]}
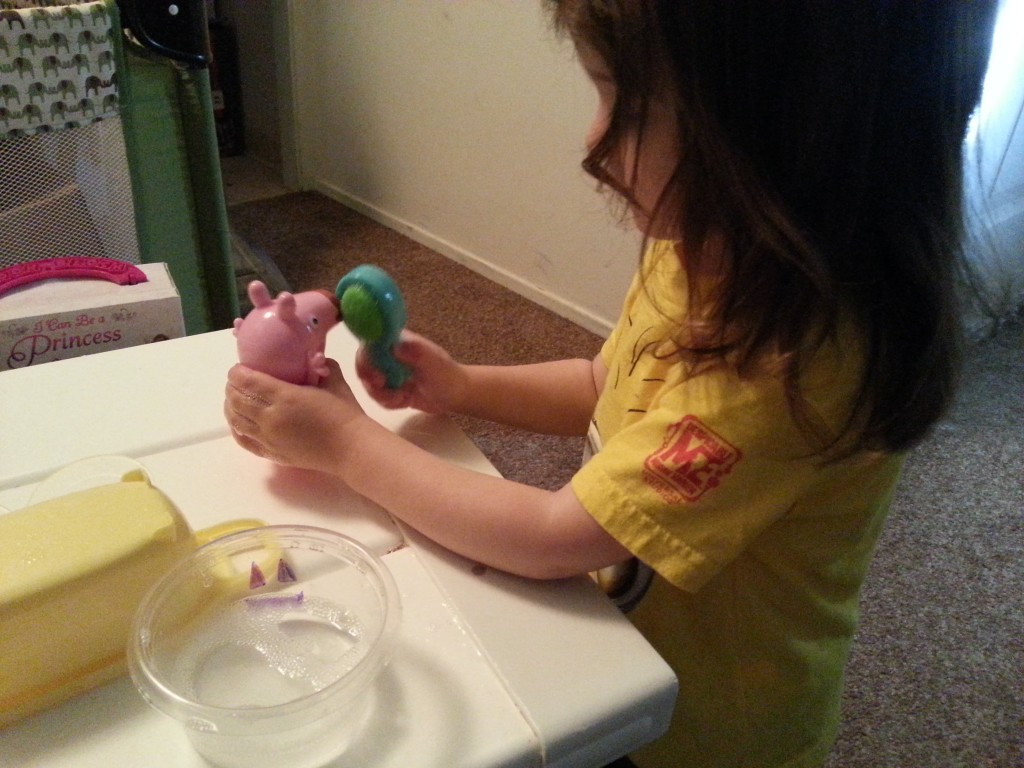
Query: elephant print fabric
{"points": [[57, 66]]}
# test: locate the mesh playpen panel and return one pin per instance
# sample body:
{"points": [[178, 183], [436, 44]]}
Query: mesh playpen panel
{"points": [[65, 187], [66, 193]]}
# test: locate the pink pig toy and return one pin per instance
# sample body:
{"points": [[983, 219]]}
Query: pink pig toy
{"points": [[285, 337]]}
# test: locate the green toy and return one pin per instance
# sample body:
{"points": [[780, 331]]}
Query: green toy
{"points": [[374, 310]]}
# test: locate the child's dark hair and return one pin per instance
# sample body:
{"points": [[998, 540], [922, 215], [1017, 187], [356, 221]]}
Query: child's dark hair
{"points": [[821, 143]]}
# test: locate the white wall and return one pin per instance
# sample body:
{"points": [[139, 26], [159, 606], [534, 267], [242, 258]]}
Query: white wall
{"points": [[461, 124]]}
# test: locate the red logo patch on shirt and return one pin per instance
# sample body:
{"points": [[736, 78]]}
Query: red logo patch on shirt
{"points": [[691, 461]]}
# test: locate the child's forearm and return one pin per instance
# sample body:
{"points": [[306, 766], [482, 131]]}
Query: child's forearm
{"points": [[555, 398], [507, 525]]}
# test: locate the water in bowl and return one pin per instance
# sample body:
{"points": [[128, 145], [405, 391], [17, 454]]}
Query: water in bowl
{"points": [[266, 650]]}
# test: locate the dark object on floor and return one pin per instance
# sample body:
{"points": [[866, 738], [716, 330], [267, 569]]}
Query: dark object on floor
{"points": [[253, 264]]}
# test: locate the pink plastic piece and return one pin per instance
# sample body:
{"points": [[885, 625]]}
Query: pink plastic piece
{"points": [[285, 337], [285, 573], [119, 272], [256, 577]]}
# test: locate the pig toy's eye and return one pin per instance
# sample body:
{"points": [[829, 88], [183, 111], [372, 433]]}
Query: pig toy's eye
{"points": [[315, 322]]}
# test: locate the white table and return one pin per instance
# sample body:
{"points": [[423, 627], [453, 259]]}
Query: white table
{"points": [[491, 669]]}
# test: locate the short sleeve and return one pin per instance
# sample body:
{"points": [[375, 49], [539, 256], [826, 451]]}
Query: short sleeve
{"points": [[692, 482]]}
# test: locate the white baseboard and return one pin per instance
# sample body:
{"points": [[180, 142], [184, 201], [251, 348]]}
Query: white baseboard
{"points": [[481, 266]]}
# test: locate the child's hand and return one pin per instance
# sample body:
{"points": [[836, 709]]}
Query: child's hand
{"points": [[301, 426], [437, 382]]}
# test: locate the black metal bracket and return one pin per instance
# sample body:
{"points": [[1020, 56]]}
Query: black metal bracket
{"points": [[175, 29]]}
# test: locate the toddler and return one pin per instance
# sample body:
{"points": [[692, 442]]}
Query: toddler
{"points": [[790, 334]]}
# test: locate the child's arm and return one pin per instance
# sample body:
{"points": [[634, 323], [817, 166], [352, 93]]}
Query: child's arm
{"points": [[507, 525], [524, 530], [555, 397]]}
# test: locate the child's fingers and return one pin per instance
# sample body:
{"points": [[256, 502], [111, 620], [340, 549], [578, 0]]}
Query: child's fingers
{"points": [[367, 372], [376, 384], [409, 349], [335, 380]]}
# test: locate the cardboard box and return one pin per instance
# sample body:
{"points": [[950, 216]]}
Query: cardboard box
{"points": [[58, 319]]}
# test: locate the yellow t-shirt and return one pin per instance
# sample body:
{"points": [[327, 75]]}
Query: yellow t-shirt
{"points": [[759, 547]]}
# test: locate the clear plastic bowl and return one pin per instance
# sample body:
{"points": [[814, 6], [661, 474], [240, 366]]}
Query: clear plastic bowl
{"points": [[263, 645]]}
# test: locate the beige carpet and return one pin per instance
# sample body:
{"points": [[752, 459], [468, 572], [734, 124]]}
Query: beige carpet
{"points": [[937, 674]]}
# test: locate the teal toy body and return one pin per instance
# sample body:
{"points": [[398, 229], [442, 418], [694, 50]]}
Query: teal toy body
{"points": [[373, 309]]}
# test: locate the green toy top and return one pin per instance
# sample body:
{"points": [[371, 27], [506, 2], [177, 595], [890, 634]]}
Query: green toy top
{"points": [[374, 310]]}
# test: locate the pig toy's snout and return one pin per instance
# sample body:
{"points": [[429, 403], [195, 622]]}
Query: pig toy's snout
{"points": [[334, 301]]}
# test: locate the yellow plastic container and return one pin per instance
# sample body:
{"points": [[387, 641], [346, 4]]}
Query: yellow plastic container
{"points": [[73, 570]]}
